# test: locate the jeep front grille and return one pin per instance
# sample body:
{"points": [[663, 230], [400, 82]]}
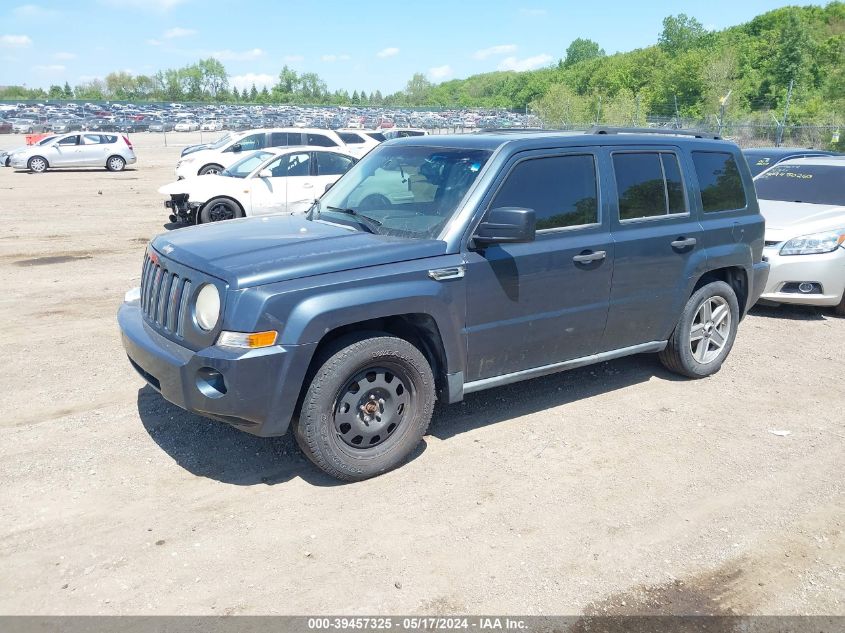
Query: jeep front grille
{"points": [[164, 296]]}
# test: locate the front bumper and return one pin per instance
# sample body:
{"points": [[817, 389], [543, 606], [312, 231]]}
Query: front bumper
{"points": [[258, 390], [825, 269]]}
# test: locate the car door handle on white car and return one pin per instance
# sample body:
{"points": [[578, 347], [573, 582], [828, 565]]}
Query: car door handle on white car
{"points": [[308, 185]]}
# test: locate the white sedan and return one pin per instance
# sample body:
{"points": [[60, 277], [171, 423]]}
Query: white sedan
{"points": [[803, 201], [277, 180]]}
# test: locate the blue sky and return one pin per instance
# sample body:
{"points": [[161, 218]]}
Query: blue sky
{"points": [[354, 45]]}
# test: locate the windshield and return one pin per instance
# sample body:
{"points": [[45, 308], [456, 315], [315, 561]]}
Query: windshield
{"points": [[220, 142], [245, 166], [814, 184], [410, 191]]}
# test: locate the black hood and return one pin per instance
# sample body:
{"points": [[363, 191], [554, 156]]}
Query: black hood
{"points": [[256, 251]]}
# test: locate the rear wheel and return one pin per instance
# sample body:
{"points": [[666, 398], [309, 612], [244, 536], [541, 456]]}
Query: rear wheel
{"points": [[37, 164], [705, 333], [367, 407], [210, 169], [219, 209], [115, 163]]}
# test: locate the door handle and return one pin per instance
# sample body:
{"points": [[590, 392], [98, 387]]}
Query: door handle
{"points": [[586, 258], [308, 185], [684, 242]]}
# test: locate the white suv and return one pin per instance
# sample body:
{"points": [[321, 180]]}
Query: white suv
{"points": [[220, 155]]}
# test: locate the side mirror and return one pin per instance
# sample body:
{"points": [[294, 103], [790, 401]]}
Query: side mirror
{"points": [[236, 147], [506, 225], [328, 186], [265, 173]]}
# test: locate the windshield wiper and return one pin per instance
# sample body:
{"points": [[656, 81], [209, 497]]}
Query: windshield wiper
{"points": [[371, 224]]}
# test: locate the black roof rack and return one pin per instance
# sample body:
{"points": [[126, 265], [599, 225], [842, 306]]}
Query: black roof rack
{"points": [[598, 129]]}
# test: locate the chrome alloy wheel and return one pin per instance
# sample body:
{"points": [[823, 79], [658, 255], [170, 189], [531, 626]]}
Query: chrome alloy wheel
{"points": [[711, 328]]}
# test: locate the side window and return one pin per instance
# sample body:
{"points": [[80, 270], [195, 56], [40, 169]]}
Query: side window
{"points": [[719, 180], [279, 139], [350, 138], [331, 164], [295, 138], [110, 138], [249, 143], [297, 164], [93, 139], [648, 185], [320, 140], [562, 190], [70, 140]]}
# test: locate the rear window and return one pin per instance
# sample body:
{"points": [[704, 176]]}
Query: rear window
{"points": [[815, 184], [719, 180]]}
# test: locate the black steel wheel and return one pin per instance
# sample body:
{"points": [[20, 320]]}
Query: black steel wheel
{"points": [[366, 408]]}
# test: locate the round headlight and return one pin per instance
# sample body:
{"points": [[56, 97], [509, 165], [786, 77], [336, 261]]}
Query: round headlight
{"points": [[207, 307]]}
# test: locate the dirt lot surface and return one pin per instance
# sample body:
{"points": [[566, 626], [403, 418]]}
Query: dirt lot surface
{"points": [[612, 489]]}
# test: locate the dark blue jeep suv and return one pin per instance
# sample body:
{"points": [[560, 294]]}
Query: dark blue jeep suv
{"points": [[443, 265]]}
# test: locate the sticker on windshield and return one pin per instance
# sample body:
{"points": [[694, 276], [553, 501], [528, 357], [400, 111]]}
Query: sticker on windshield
{"points": [[784, 173]]}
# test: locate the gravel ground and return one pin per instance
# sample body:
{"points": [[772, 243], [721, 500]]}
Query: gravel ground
{"points": [[612, 489]]}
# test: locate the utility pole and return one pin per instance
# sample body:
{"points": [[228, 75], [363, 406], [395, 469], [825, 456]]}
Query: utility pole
{"points": [[779, 139], [723, 104], [677, 115], [598, 111]]}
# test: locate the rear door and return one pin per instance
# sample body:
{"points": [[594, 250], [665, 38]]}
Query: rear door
{"points": [[658, 244], [535, 304], [94, 151]]}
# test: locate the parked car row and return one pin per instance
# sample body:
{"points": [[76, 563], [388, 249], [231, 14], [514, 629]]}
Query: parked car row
{"points": [[119, 117]]}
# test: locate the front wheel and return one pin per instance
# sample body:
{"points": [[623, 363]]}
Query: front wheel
{"points": [[705, 333], [115, 163], [219, 209], [839, 310], [366, 408], [37, 164], [210, 169]]}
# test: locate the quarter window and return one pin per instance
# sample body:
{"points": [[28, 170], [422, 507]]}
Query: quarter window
{"points": [[648, 185], [562, 190], [350, 138], [719, 180]]}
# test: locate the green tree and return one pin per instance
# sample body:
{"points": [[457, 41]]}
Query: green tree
{"points": [[67, 91], [418, 90], [214, 78], [55, 92], [581, 50], [680, 32], [253, 94]]}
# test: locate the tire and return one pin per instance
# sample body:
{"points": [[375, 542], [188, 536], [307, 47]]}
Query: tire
{"points": [[703, 356], [374, 201], [115, 163], [219, 209], [339, 427], [37, 164], [210, 169], [839, 310]]}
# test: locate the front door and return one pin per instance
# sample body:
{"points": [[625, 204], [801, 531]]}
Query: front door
{"points": [[658, 245], [543, 302], [66, 152], [288, 188]]}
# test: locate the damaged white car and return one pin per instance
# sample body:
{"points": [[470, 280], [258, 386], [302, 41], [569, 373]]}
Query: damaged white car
{"points": [[276, 180]]}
